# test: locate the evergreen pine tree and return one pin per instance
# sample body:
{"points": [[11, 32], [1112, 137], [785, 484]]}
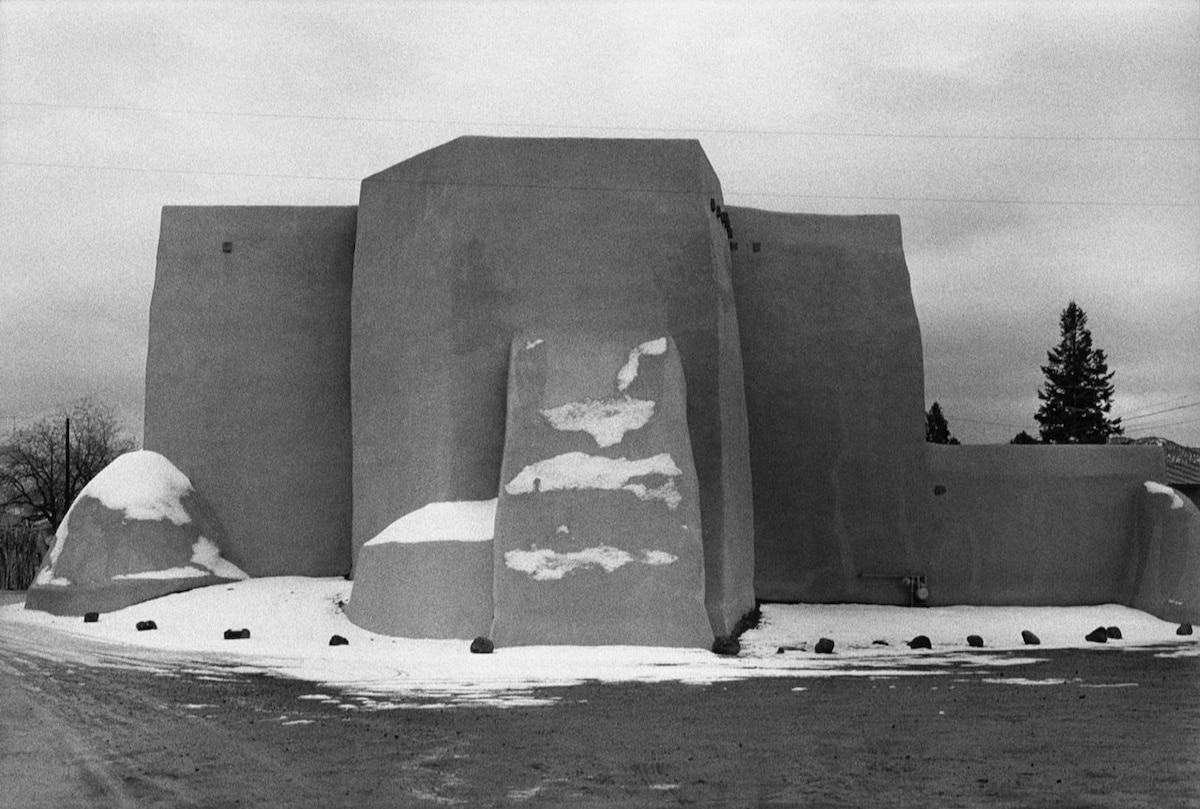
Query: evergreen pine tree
{"points": [[937, 429], [1077, 394]]}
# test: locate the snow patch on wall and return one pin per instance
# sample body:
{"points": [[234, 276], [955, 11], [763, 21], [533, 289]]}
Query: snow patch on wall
{"points": [[544, 564], [46, 576], [169, 573], [206, 554], [607, 420], [578, 470], [666, 492], [455, 521], [1158, 488], [658, 558], [629, 370], [206, 561]]}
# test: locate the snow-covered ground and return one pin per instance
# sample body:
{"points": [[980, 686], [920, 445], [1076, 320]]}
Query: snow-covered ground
{"points": [[291, 620]]}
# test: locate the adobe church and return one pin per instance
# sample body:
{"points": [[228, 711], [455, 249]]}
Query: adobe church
{"points": [[557, 391]]}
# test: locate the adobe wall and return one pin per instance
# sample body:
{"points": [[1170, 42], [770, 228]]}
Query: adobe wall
{"points": [[1036, 525], [835, 399], [1168, 579], [248, 377], [463, 246]]}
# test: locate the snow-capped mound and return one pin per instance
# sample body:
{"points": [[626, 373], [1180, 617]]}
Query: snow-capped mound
{"points": [[144, 485], [138, 530]]}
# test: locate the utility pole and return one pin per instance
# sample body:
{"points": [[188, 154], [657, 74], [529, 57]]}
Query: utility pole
{"points": [[67, 474]]}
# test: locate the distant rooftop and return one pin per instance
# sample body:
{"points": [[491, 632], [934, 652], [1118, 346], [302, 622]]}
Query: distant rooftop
{"points": [[1183, 463]]}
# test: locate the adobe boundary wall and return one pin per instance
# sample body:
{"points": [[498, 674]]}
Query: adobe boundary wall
{"points": [[1169, 557], [1036, 525]]}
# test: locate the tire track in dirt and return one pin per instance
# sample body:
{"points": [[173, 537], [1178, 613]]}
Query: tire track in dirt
{"points": [[126, 748], [1108, 728]]}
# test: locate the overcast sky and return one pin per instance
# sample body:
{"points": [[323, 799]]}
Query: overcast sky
{"points": [[1035, 152]]}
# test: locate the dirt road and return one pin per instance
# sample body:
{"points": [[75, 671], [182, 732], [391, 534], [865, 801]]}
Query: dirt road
{"points": [[1121, 729]]}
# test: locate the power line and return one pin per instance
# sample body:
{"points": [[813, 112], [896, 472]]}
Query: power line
{"points": [[1158, 412], [807, 133], [1161, 426], [732, 192], [972, 201], [980, 421], [1168, 401], [145, 170]]}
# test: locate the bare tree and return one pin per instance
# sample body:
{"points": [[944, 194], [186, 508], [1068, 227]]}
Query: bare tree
{"points": [[34, 476]]}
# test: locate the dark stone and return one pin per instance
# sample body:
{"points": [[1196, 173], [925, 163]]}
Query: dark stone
{"points": [[142, 626], [880, 643], [338, 640], [974, 640], [824, 646], [1113, 632], [920, 642], [1097, 635], [726, 646], [1184, 629], [1030, 638], [91, 617], [482, 646], [237, 634]]}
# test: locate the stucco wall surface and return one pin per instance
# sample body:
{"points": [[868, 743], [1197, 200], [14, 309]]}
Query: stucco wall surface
{"points": [[598, 528], [439, 589], [834, 380], [463, 246], [248, 377], [1036, 525], [1169, 560]]}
